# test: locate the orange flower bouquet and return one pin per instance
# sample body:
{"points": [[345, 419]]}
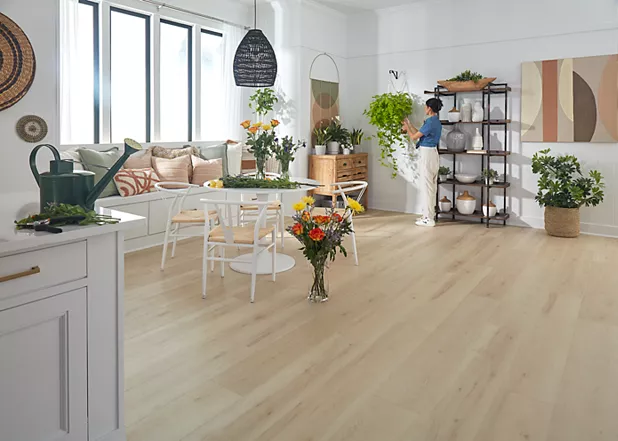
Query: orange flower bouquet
{"points": [[261, 139], [321, 237]]}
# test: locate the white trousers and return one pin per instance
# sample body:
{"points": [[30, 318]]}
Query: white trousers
{"points": [[430, 164]]}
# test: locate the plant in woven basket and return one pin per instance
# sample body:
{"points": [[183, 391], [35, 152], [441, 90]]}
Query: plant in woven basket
{"points": [[386, 112], [563, 189]]}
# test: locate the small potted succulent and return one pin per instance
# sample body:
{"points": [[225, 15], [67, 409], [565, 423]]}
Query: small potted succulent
{"points": [[443, 173], [321, 138], [489, 175]]}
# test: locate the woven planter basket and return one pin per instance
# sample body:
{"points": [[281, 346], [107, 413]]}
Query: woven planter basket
{"points": [[466, 86], [562, 222]]}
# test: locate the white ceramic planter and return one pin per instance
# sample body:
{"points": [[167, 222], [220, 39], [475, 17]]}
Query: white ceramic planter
{"points": [[347, 151], [443, 178], [333, 148], [320, 149], [492, 211], [445, 207]]}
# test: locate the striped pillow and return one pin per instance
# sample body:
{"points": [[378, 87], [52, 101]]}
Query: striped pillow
{"points": [[206, 170], [173, 170], [131, 182]]}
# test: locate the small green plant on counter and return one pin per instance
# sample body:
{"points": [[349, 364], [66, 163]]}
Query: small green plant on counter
{"points": [[321, 136], [468, 76], [251, 182], [386, 112], [263, 101], [55, 211], [562, 183], [444, 171], [356, 136]]}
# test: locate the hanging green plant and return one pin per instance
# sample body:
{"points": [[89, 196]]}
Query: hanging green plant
{"points": [[386, 112], [263, 101]]}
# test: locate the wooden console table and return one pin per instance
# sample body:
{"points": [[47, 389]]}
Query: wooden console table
{"points": [[328, 169]]}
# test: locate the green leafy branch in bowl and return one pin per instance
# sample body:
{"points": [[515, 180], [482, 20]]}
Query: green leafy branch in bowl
{"points": [[55, 211], [468, 76], [251, 182]]}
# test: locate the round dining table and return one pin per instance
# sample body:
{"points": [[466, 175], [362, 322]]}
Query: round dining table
{"points": [[284, 262]]}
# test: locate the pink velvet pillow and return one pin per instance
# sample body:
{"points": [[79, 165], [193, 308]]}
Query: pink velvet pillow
{"points": [[206, 170], [173, 170], [130, 182]]}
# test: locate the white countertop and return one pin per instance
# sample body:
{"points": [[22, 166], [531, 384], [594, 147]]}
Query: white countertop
{"points": [[13, 240]]}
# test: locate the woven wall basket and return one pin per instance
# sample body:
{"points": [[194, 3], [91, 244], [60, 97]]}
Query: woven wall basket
{"points": [[562, 222], [17, 63]]}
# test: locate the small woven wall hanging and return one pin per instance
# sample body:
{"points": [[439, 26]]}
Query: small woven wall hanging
{"points": [[17, 63], [31, 128]]}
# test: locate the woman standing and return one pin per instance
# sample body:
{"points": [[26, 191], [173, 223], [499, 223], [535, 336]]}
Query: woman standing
{"points": [[428, 137]]}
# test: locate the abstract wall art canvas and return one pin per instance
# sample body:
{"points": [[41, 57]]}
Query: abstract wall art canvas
{"points": [[570, 100], [324, 102]]}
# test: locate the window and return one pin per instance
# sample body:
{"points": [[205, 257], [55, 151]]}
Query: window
{"points": [[212, 85], [130, 75], [176, 82], [80, 66]]}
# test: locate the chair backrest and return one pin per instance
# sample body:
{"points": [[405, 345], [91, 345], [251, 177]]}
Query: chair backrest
{"points": [[268, 175], [344, 189], [223, 210], [180, 191]]}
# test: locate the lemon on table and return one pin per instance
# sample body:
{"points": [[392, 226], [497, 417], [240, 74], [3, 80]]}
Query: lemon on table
{"points": [[219, 184]]}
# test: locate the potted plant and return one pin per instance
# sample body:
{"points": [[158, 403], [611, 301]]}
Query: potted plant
{"points": [[337, 136], [466, 80], [489, 175], [260, 139], [347, 148], [563, 189], [284, 150], [443, 173], [321, 138], [356, 137], [386, 112]]}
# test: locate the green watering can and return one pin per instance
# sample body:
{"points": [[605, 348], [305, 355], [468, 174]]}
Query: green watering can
{"points": [[62, 185]]}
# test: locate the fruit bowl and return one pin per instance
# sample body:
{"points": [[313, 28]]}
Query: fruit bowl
{"points": [[465, 179]]}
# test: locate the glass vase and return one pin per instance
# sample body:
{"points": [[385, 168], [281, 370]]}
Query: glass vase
{"points": [[285, 169], [318, 291], [260, 166]]}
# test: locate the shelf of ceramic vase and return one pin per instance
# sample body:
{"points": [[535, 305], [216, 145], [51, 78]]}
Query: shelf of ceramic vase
{"points": [[476, 215], [493, 122], [495, 90], [475, 152], [475, 184]]}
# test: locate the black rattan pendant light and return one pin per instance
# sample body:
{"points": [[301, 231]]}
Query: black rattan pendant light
{"points": [[255, 62]]}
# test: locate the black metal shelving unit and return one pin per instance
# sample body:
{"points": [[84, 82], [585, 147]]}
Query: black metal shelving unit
{"points": [[487, 126]]}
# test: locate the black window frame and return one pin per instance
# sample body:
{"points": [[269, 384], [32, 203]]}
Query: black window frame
{"points": [[96, 64], [190, 55], [148, 27]]}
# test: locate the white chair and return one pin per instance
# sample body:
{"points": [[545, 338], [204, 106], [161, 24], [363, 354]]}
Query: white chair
{"points": [[274, 211], [352, 189], [177, 216], [226, 235]]}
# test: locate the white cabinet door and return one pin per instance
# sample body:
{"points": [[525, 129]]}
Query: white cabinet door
{"points": [[43, 370]]}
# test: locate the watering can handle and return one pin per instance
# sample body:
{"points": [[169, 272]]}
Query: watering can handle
{"points": [[33, 154]]}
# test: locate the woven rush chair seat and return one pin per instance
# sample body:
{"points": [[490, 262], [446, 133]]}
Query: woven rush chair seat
{"points": [[273, 206], [323, 211], [242, 235], [193, 217]]}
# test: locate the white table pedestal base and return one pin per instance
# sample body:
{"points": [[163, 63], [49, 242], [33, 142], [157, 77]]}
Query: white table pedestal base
{"points": [[242, 264]]}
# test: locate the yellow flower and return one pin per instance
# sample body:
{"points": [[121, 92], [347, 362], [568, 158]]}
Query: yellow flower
{"points": [[267, 127], [299, 206], [246, 124], [257, 125], [308, 200], [355, 206]]}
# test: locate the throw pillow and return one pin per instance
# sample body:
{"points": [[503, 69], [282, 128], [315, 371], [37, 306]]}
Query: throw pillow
{"points": [[139, 160], [173, 170], [73, 155], [163, 152], [206, 170], [215, 152], [131, 182], [234, 158], [99, 163]]}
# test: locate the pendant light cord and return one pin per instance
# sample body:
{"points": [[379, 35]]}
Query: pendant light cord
{"points": [[254, 14]]}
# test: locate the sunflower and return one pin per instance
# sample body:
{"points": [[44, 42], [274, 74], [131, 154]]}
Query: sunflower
{"points": [[267, 127], [299, 206], [308, 200], [355, 206]]}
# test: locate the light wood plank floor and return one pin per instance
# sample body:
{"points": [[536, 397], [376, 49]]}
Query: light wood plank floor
{"points": [[452, 333]]}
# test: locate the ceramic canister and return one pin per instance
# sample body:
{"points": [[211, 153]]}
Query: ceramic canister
{"points": [[466, 203], [445, 205]]}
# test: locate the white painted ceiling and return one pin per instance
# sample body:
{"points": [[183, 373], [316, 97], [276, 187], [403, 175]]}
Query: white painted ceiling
{"points": [[354, 5]]}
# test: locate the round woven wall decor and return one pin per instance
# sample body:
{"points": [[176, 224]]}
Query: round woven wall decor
{"points": [[17, 63], [31, 128]]}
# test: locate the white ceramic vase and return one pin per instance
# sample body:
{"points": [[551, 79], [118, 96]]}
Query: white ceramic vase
{"points": [[445, 205], [454, 117], [477, 113], [477, 140], [466, 203], [466, 110], [333, 148], [346, 151], [320, 149], [493, 210]]}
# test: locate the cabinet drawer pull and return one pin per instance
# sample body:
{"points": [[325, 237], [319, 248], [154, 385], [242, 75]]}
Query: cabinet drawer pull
{"points": [[30, 272]]}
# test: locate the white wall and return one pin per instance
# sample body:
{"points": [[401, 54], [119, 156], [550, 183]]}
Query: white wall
{"points": [[437, 39], [40, 20]]}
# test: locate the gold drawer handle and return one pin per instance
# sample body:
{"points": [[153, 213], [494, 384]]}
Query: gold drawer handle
{"points": [[32, 271]]}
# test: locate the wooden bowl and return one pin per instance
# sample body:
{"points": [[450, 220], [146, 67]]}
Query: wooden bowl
{"points": [[466, 86]]}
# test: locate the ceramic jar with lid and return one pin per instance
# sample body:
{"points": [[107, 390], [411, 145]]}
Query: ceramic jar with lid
{"points": [[491, 209], [466, 203], [477, 112], [466, 110], [445, 205]]}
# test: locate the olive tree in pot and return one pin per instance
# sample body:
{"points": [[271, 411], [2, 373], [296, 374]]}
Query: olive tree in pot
{"points": [[563, 189]]}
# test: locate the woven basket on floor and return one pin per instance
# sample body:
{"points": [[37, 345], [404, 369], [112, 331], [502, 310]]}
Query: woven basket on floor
{"points": [[562, 222], [17, 63]]}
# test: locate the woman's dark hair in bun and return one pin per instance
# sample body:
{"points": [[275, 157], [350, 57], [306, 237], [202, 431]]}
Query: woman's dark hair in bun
{"points": [[434, 104]]}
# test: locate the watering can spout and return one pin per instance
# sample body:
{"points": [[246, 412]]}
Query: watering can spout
{"points": [[130, 147]]}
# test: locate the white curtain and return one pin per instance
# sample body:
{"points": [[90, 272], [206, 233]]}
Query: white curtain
{"points": [[68, 55], [233, 105]]}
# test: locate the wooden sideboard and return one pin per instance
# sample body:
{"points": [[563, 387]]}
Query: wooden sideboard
{"points": [[328, 169]]}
